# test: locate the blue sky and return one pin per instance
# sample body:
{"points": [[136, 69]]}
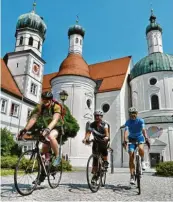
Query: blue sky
{"points": [[114, 28]]}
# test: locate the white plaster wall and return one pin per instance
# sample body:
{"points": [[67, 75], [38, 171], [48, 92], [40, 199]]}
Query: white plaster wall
{"points": [[14, 124], [142, 91], [26, 35], [113, 116], [73, 46], [79, 90], [154, 39]]}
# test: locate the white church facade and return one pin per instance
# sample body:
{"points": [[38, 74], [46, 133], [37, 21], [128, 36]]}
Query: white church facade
{"points": [[112, 86]]}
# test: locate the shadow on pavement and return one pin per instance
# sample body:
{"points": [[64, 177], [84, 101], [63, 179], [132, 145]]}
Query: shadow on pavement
{"points": [[76, 187]]}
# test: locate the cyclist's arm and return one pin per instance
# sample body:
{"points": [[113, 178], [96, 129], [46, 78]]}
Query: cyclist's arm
{"points": [[144, 131], [107, 133], [54, 121], [33, 119], [56, 117], [87, 135], [126, 132]]}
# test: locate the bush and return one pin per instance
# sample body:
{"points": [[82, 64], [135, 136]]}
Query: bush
{"points": [[165, 168], [10, 162], [8, 145]]}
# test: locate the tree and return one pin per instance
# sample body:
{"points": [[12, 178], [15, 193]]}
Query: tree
{"points": [[8, 145], [71, 127]]}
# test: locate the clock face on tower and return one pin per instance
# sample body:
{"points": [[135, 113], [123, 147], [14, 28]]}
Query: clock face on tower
{"points": [[36, 68]]}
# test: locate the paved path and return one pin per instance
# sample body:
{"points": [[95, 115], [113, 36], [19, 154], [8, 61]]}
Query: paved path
{"points": [[74, 187]]}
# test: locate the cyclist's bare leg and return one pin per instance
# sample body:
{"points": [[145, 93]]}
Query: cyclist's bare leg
{"points": [[105, 158], [53, 142], [141, 150], [131, 162]]}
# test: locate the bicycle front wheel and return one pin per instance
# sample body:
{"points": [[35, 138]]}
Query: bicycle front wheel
{"points": [[138, 175], [103, 178], [93, 173], [54, 175], [26, 171]]}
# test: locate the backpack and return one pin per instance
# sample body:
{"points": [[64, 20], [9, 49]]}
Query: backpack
{"points": [[63, 110]]}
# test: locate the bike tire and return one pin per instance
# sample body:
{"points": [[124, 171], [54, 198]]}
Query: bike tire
{"points": [[52, 171], [33, 156], [103, 178], [92, 187], [138, 177]]}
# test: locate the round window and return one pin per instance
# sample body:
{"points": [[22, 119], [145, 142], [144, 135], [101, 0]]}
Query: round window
{"points": [[153, 81], [88, 102], [105, 108]]}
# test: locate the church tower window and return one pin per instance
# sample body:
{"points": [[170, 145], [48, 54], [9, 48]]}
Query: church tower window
{"points": [[30, 41], [77, 40], [154, 102], [21, 40], [39, 45]]}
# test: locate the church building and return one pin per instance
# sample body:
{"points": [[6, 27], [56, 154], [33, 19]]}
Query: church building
{"points": [[111, 86]]}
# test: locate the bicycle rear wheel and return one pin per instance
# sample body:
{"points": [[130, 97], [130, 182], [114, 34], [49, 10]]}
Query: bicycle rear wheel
{"points": [[26, 171], [93, 178], [54, 174], [138, 175]]}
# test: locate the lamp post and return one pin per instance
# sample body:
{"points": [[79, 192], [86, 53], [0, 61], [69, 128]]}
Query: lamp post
{"points": [[63, 96]]}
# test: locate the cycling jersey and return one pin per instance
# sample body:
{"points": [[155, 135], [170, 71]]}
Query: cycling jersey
{"points": [[45, 115], [98, 130], [134, 127]]}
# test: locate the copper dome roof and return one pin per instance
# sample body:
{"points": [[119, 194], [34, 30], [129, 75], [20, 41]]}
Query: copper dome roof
{"points": [[74, 64]]}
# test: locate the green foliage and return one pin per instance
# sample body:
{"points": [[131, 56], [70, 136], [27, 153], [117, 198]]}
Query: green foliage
{"points": [[66, 166], [165, 168], [9, 162], [8, 145], [71, 127]]}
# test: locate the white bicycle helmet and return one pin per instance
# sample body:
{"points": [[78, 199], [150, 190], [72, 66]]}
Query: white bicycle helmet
{"points": [[99, 113], [132, 109]]}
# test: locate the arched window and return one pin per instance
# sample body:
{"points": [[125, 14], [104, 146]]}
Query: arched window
{"points": [[39, 45], [21, 40], [77, 40], [154, 102], [30, 41]]}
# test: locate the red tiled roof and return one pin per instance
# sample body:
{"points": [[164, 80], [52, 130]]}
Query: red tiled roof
{"points": [[112, 73], [46, 81], [7, 81]]}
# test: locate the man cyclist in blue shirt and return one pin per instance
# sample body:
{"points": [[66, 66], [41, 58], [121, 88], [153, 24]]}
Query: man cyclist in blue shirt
{"points": [[135, 132]]}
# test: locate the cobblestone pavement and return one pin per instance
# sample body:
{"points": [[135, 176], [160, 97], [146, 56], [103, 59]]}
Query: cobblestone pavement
{"points": [[74, 187]]}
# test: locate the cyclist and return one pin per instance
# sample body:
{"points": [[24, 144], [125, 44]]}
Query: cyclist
{"points": [[52, 112], [135, 132], [100, 130]]}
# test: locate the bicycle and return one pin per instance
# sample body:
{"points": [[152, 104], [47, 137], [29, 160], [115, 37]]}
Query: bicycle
{"points": [[100, 174], [138, 167], [31, 163]]}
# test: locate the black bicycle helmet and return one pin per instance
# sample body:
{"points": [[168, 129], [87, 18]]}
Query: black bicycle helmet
{"points": [[99, 113], [47, 95]]}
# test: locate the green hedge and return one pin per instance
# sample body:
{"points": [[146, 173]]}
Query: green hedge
{"points": [[10, 162], [165, 168]]}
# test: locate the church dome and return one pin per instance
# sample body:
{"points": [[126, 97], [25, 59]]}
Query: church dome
{"points": [[153, 25], [76, 29], [74, 64], [154, 62], [32, 21]]}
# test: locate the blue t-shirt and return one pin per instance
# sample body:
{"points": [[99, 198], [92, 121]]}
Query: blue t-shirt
{"points": [[135, 127]]}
